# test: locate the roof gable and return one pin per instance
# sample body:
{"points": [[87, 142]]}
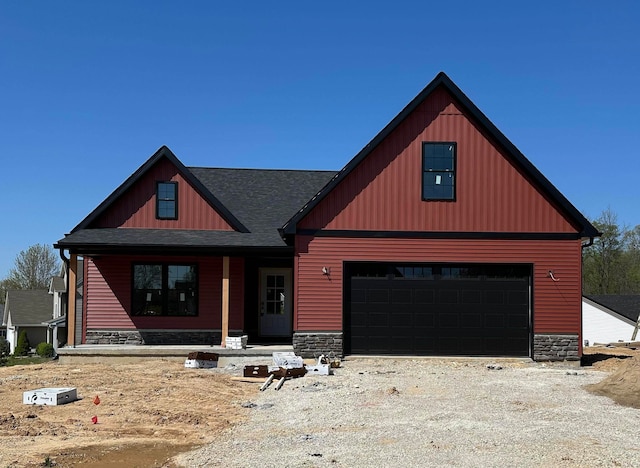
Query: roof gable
{"points": [[421, 109], [118, 210]]}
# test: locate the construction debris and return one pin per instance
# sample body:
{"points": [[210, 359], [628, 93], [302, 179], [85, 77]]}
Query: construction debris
{"points": [[236, 342], [201, 360], [287, 360], [286, 366]]}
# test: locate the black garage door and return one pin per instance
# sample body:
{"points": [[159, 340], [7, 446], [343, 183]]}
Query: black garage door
{"points": [[443, 309]]}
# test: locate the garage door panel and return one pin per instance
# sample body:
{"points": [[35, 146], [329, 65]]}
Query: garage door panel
{"points": [[448, 320], [433, 310], [402, 296], [402, 319], [471, 320], [377, 296], [472, 297], [518, 298], [358, 296], [424, 296]]}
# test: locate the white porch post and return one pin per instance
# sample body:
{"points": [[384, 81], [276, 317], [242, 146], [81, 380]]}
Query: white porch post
{"points": [[225, 300]]}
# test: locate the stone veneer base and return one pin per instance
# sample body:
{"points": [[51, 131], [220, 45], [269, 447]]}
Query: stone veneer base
{"points": [[313, 344], [555, 348], [155, 337]]}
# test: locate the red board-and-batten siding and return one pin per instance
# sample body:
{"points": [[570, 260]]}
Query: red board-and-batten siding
{"points": [[383, 193], [108, 295], [137, 207]]}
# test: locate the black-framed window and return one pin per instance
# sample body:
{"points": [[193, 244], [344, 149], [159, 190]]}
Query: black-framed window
{"points": [[167, 200], [161, 289], [438, 171]]}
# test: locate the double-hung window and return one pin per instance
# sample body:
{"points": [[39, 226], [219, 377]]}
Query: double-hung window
{"points": [[167, 200], [438, 171], [165, 289]]}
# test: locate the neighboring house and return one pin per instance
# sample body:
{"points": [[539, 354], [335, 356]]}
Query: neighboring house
{"points": [[609, 318], [3, 330], [57, 331], [438, 238], [27, 310]]}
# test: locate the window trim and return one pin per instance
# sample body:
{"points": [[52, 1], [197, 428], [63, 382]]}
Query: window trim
{"points": [[174, 200], [164, 279], [454, 171]]}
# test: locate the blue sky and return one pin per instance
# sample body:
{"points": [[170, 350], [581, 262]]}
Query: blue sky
{"points": [[89, 90]]}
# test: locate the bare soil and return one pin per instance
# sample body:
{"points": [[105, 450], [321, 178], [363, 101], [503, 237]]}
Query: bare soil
{"points": [[623, 384], [147, 413]]}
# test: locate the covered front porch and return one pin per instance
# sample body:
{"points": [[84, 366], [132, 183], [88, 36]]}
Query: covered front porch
{"points": [[136, 299]]}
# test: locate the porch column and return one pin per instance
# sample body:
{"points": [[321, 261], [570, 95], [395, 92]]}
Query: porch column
{"points": [[225, 300], [71, 300]]}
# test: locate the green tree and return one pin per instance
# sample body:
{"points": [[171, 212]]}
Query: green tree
{"points": [[5, 350], [23, 346], [631, 242], [612, 264]]}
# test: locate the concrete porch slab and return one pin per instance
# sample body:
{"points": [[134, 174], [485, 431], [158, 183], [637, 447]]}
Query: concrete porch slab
{"points": [[136, 353]]}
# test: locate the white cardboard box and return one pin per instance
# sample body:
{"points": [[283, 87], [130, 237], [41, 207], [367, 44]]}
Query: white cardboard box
{"points": [[200, 364], [50, 396], [320, 369]]}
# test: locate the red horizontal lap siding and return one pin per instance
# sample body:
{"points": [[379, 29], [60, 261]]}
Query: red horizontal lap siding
{"points": [[108, 294], [137, 207], [385, 191], [319, 299]]}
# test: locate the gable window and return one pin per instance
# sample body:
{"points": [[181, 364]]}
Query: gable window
{"points": [[164, 289], [438, 171], [167, 200]]}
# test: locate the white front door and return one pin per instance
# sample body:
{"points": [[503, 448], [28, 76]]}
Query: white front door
{"points": [[275, 301]]}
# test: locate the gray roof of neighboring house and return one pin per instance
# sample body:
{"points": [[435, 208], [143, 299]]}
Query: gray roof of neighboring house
{"points": [[29, 306], [626, 305], [57, 284]]}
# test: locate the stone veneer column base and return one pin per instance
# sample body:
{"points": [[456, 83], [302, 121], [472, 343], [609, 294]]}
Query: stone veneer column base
{"points": [[313, 344], [153, 337], [555, 348]]}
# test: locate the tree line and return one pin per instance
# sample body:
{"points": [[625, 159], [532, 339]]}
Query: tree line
{"points": [[612, 264]]}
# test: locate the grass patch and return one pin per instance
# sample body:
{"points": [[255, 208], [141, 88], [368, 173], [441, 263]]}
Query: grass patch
{"points": [[25, 360]]}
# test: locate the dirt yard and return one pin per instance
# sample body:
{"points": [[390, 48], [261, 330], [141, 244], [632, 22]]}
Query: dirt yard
{"points": [[151, 411], [147, 413]]}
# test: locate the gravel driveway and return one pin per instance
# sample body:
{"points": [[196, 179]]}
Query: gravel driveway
{"points": [[424, 412]]}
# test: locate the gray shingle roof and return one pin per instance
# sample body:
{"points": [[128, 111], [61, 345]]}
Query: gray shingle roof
{"points": [[261, 199], [57, 284], [627, 305], [29, 306]]}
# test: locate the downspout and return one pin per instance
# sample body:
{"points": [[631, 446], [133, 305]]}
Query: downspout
{"points": [[588, 244], [66, 314]]}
